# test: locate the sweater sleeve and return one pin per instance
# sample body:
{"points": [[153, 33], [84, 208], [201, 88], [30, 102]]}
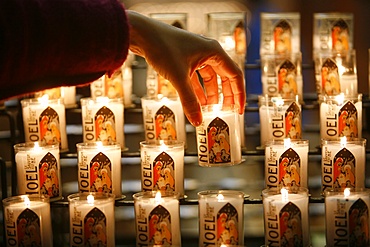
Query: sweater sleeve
{"points": [[50, 43]]}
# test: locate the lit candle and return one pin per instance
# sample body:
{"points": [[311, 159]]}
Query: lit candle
{"points": [[44, 121], [218, 136], [97, 88], [91, 219], [286, 163], [286, 216], [340, 115], [343, 163], [221, 218], [69, 96], [347, 217], [99, 168], [103, 120], [27, 221], [38, 170], [157, 218]]}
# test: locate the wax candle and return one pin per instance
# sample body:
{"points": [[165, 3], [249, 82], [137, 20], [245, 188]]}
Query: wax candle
{"points": [[163, 118], [38, 170], [99, 168], [347, 217], [44, 121], [162, 166], [97, 88], [286, 163], [102, 120], [91, 219], [279, 118], [221, 218], [218, 136], [286, 217], [27, 221], [340, 115], [157, 217], [69, 96]]}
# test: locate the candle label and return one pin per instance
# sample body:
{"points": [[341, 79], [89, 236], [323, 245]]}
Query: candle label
{"points": [[114, 85], [340, 36], [282, 37], [105, 125], [287, 82], [97, 88], [218, 150], [165, 87], [49, 178], [347, 122], [293, 125], [240, 39], [330, 77]]}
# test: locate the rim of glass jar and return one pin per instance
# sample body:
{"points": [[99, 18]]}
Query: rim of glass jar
{"points": [[24, 146], [93, 145], [266, 100], [361, 141], [334, 15], [237, 16], [215, 193], [159, 97], [292, 190], [143, 195], [322, 54], [21, 198], [37, 101], [285, 15], [293, 142], [274, 55], [220, 107], [153, 144], [339, 97], [100, 100], [339, 191], [99, 197]]}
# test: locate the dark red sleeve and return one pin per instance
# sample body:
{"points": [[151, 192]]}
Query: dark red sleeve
{"points": [[49, 43]]}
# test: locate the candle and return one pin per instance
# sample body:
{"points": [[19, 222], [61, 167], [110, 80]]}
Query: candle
{"points": [[163, 118], [162, 166], [69, 96], [286, 163], [340, 116], [343, 163], [347, 217], [102, 120], [97, 88], [44, 121], [27, 221], [91, 219], [221, 218], [279, 118], [38, 170], [99, 168], [286, 217], [157, 217], [218, 136], [52, 93]]}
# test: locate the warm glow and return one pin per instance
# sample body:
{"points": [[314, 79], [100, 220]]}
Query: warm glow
{"points": [[278, 101], [216, 109], [284, 195], [27, 201], [37, 147], [90, 199], [220, 197], [44, 100], [340, 98], [158, 197], [347, 192], [287, 143], [163, 146], [343, 141], [104, 100], [227, 42]]}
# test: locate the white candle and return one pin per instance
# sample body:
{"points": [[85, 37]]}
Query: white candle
{"points": [[38, 170], [347, 217], [157, 218], [99, 168], [44, 121], [27, 221], [69, 96], [286, 217], [343, 163], [218, 136], [221, 218], [103, 120], [97, 88], [91, 219], [340, 116], [286, 163]]}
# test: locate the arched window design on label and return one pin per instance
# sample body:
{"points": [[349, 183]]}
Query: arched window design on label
{"points": [[49, 127], [344, 169], [160, 226], [164, 173], [165, 124], [290, 168], [218, 141], [340, 36], [293, 122], [28, 228], [283, 37], [49, 176], [290, 221], [101, 174], [287, 78], [105, 125], [358, 225], [330, 83], [348, 120], [227, 225], [95, 228]]}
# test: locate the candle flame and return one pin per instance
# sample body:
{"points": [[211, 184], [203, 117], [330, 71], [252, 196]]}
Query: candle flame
{"points": [[220, 197], [37, 146], [158, 197], [340, 98], [284, 195], [163, 146], [278, 101], [90, 199], [343, 141], [27, 202], [347, 192], [287, 143], [101, 99], [43, 99]]}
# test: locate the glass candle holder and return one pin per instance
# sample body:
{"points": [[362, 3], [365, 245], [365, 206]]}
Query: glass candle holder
{"points": [[103, 120], [340, 115], [99, 168], [91, 218], [27, 220], [218, 136], [279, 118], [286, 216], [221, 218], [280, 32], [38, 170], [44, 121], [178, 20], [157, 217], [286, 163], [281, 74], [347, 217], [343, 163]]}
